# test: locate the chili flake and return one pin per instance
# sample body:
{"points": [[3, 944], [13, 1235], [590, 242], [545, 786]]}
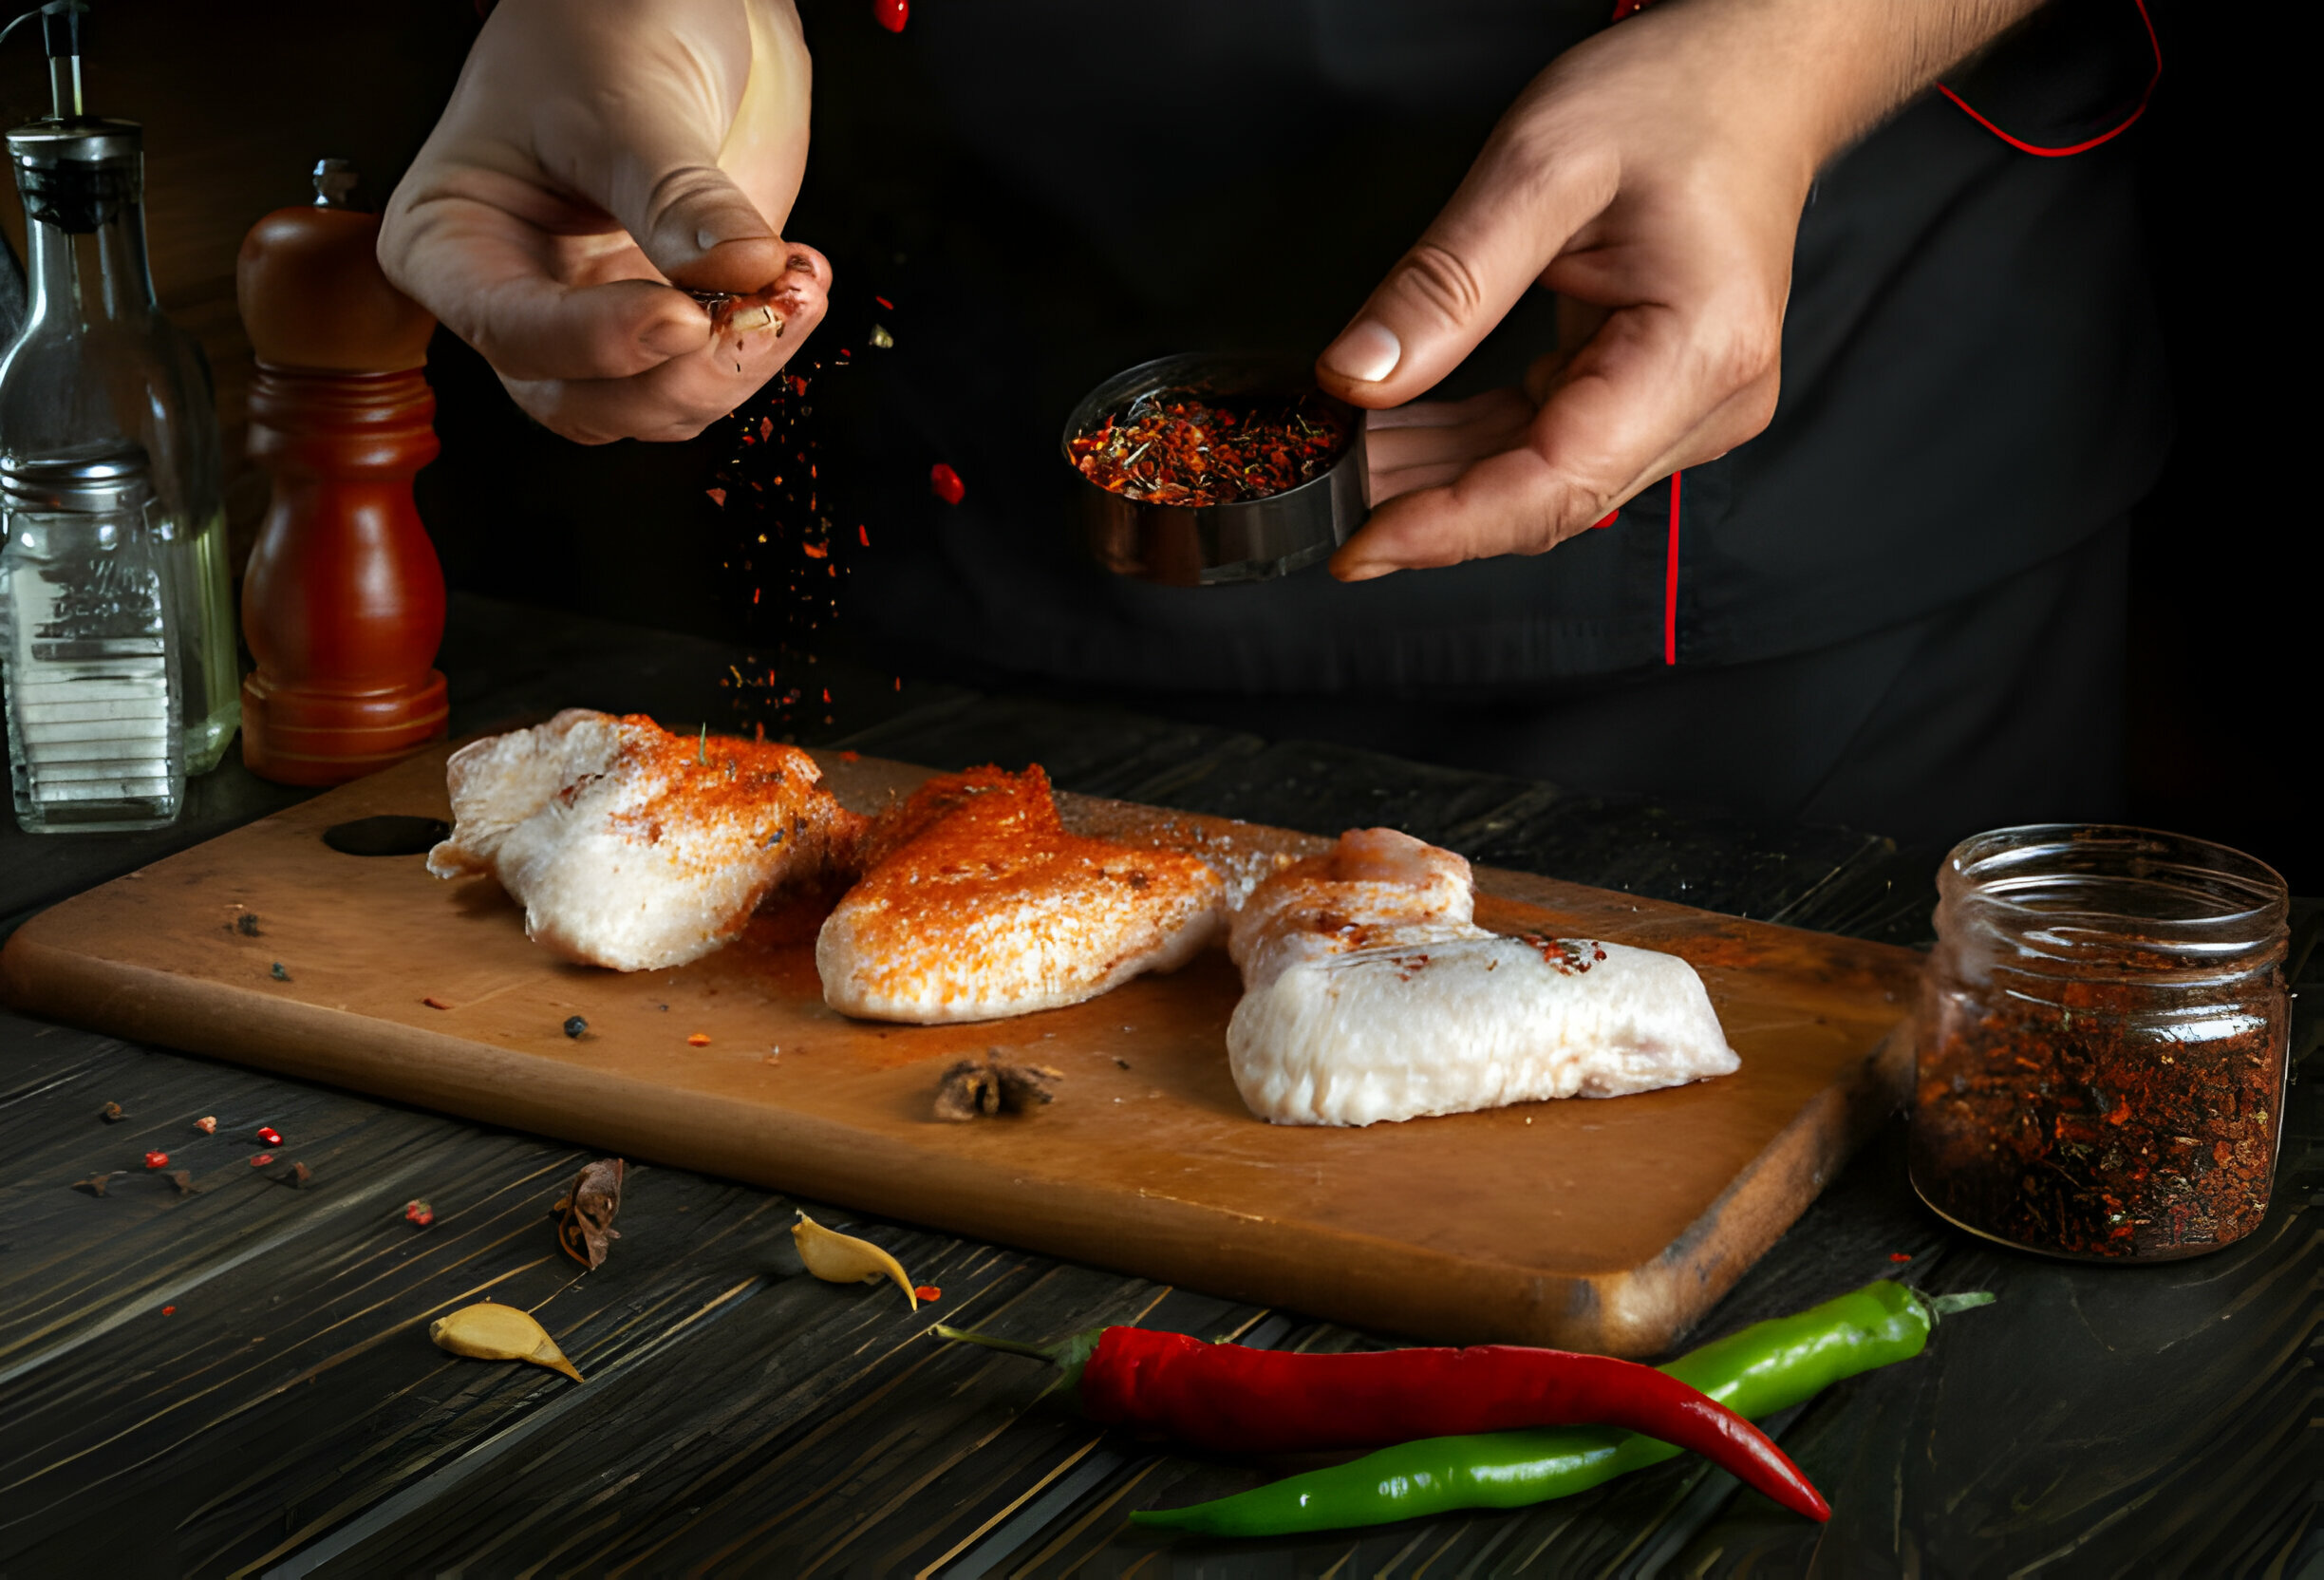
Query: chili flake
{"points": [[207, 1124], [699, 1040], [112, 1113], [927, 1292], [157, 1159], [946, 484], [262, 1160], [419, 1212], [269, 1136], [1174, 447]]}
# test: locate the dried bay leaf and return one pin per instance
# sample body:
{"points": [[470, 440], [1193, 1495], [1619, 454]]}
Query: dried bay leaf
{"points": [[838, 1258], [489, 1331]]}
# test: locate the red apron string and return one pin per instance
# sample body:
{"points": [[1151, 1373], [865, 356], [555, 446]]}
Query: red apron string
{"points": [[1670, 580], [2116, 130]]}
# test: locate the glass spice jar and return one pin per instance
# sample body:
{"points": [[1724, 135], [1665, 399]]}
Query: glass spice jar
{"points": [[2102, 1039]]}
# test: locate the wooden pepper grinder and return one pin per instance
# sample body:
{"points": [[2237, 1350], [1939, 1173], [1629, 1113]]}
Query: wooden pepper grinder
{"points": [[343, 601]]}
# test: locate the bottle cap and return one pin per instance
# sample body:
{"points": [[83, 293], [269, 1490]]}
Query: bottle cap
{"points": [[86, 140], [98, 482]]}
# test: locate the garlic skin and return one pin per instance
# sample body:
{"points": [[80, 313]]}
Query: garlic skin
{"points": [[838, 1258], [489, 1331]]}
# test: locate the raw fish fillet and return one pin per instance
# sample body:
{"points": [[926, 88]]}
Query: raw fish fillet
{"points": [[633, 847], [1370, 994], [975, 903]]}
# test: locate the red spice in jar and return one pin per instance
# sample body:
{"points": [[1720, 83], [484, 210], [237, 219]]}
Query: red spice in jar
{"points": [[1177, 447], [2102, 1043]]}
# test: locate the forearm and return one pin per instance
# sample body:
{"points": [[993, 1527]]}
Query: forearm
{"points": [[1834, 68]]}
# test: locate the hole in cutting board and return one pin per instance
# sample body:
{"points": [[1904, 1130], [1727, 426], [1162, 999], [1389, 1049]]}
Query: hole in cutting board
{"points": [[388, 836]]}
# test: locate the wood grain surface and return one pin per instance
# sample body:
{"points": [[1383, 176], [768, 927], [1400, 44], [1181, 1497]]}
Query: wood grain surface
{"points": [[1608, 1225], [239, 1381]]}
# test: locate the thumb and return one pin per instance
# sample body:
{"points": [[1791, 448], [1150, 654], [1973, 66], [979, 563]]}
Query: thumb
{"points": [[1513, 213]]}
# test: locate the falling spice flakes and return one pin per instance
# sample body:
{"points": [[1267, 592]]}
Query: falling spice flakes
{"points": [[489, 1331], [978, 1087], [268, 1136], [207, 1124], [891, 14], [837, 1258], [157, 1159], [946, 484], [879, 337], [585, 1222], [112, 1113], [1899, 1257], [419, 1212]]}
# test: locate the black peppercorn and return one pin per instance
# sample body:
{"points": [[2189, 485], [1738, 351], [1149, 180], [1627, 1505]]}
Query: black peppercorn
{"points": [[576, 1025]]}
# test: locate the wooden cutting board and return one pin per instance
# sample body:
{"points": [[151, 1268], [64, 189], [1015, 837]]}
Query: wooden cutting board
{"points": [[1596, 1225]]}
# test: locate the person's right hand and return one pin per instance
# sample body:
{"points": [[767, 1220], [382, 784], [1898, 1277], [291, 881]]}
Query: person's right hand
{"points": [[596, 154]]}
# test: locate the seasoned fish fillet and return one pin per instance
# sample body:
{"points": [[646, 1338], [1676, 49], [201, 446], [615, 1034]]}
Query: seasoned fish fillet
{"points": [[975, 903], [1369, 995], [633, 847]]}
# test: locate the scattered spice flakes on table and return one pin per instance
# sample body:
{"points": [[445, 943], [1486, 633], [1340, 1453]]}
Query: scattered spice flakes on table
{"points": [[574, 1026], [434, 1002], [112, 1113], [157, 1159], [927, 1292], [207, 1124], [268, 1135], [1899, 1257], [699, 1040], [182, 1182], [247, 925], [298, 1176], [1172, 447], [262, 1160], [419, 1212], [277, 972], [585, 1222]]}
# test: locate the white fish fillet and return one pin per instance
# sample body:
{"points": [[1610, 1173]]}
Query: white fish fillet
{"points": [[1370, 995], [975, 903], [633, 847]]}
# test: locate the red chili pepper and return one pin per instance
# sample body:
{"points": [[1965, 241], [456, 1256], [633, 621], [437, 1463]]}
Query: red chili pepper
{"points": [[1227, 1398], [946, 484]]}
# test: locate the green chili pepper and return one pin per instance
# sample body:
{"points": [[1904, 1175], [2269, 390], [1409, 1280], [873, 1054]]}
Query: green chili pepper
{"points": [[1766, 1367]]}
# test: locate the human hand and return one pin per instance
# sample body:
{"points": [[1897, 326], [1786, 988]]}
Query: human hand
{"points": [[1653, 177], [596, 154]]}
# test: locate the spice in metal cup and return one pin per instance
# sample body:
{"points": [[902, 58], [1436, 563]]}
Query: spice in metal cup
{"points": [[2101, 1052], [1208, 469]]}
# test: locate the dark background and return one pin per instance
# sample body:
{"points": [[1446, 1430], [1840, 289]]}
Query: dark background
{"points": [[240, 100]]}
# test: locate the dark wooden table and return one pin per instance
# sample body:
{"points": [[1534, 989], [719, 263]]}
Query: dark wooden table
{"points": [[239, 1380]]}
